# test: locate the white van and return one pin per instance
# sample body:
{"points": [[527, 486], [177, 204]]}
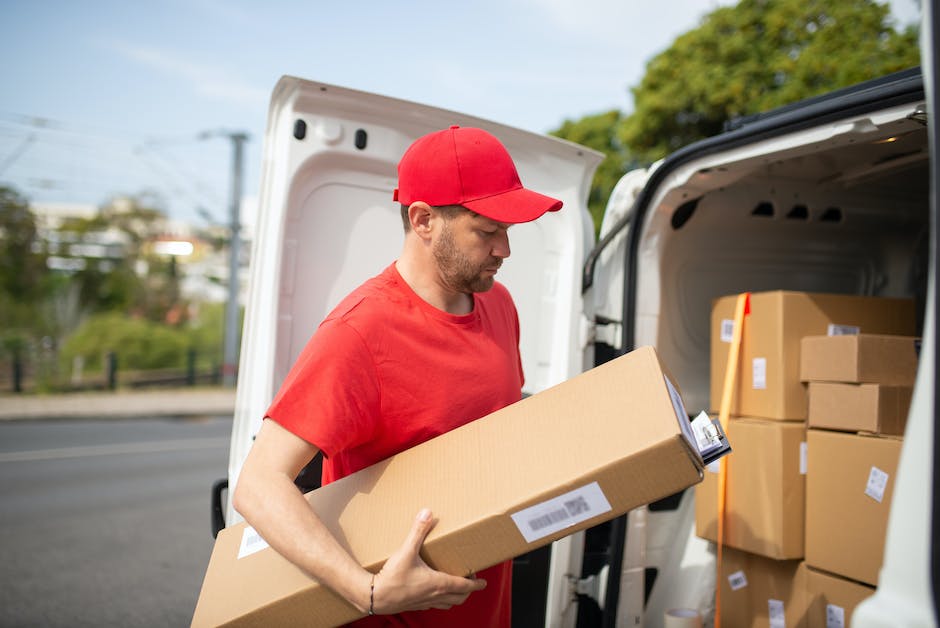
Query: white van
{"points": [[827, 195]]}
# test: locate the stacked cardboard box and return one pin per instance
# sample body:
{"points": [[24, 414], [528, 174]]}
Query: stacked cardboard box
{"points": [[769, 384], [860, 383], [766, 533], [859, 393], [831, 600]]}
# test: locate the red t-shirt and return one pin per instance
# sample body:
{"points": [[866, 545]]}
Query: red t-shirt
{"points": [[386, 371]]}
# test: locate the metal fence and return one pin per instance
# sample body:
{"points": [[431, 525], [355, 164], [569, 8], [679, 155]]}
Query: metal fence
{"points": [[26, 375]]}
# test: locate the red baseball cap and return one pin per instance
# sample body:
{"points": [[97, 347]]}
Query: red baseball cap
{"points": [[468, 167]]}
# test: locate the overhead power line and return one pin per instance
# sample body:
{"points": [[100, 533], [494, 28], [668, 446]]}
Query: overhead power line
{"points": [[17, 152], [65, 156]]}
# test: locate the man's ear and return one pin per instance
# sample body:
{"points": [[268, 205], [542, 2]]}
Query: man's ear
{"points": [[419, 215]]}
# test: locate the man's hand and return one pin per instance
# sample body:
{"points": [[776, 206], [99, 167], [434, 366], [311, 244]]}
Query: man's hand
{"points": [[406, 583]]}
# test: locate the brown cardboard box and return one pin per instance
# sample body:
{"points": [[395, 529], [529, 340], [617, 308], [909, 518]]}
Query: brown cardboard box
{"points": [[766, 488], [849, 485], [831, 600], [860, 359], [874, 408], [760, 592], [580, 453], [768, 384]]}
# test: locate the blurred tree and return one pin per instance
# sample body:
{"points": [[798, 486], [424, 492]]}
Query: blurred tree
{"points": [[597, 132], [23, 270], [126, 275], [756, 56], [24, 277]]}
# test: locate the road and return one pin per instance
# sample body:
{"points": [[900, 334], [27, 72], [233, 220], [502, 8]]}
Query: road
{"points": [[106, 523]]}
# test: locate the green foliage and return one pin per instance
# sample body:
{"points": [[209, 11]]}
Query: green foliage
{"points": [[596, 131], [756, 56], [205, 332], [138, 343], [23, 273], [124, 299]]}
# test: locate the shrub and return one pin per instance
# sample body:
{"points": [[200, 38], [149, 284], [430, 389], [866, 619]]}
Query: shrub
{"points": [[138, 344]]}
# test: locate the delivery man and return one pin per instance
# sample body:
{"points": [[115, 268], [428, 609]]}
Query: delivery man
{"points": [[429, 344]]}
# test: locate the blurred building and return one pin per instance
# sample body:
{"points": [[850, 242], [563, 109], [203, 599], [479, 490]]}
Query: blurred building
{"points": [[200, 255]]}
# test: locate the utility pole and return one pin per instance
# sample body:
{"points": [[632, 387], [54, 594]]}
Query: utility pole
{"points": [[230, 343], [231, 332]]}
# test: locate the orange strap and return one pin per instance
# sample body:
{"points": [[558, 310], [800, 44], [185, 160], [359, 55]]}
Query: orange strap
{"points": [[742, 308]]}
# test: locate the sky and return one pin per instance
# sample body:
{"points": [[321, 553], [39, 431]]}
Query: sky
{"points": [[101, 98]]}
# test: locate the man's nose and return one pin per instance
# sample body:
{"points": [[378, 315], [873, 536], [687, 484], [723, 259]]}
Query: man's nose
{"points": [[501, 245]]}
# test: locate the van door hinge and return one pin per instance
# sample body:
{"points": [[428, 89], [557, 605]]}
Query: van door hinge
{"points": [[607, 331], [593, 586]]}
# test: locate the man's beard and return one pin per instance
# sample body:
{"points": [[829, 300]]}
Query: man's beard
{"points": [[457, 271]]}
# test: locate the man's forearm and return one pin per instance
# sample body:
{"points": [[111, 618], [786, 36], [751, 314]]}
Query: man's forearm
{"points": [[273, 505]]}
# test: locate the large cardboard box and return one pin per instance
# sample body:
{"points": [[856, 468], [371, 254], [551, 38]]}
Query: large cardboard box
{"points": [[575, 455], [760, 592], [849, 486], [860, 359], [766, 490], [874, 408], [831, 600], [768, 383]]}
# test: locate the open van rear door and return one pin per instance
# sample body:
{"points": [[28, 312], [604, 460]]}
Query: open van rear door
{"points": [[327, 222], [907, 593]]}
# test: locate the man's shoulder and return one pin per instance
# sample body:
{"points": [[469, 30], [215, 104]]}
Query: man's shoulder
{"points": [[372, 297]]}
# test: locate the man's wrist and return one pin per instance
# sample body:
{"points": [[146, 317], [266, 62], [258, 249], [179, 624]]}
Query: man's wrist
{"points": [[372, 595]]}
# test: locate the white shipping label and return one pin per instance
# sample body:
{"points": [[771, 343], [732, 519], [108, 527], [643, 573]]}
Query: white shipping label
{"points": [[737, 580], [677, 404], [835, 616], [776, 614], [759, 373], [727, 330], [706, 433], [877, 483], [843, 330], [251, 543], [561, 512], [803, 450]]}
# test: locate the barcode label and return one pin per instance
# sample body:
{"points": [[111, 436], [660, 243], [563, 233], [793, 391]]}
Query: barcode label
{"points": [[561, 512], [835, 616], [877, 483], [776, 614], [737, 580], [843, 330], [727, 329], [759, 373], [251, 543]]}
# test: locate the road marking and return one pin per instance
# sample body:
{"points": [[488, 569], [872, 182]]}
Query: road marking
{"points": [[188, 444]]}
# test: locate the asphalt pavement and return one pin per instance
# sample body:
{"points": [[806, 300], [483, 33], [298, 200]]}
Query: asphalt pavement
{"points": [[107, 522], [119, 404]]}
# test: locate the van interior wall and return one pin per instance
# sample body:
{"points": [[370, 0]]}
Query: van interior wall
{"points": [[772, 233]]}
